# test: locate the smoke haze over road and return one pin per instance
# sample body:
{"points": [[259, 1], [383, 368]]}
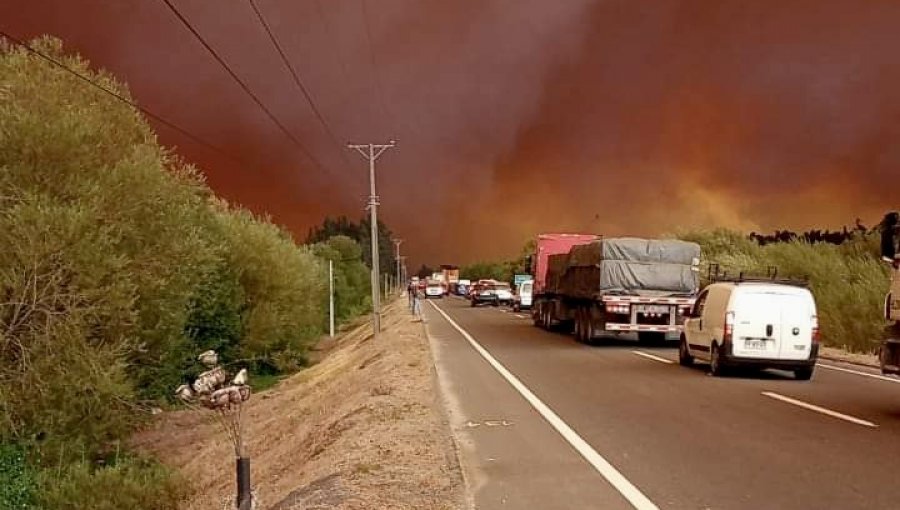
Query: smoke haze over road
{"points": [[515, 117]]}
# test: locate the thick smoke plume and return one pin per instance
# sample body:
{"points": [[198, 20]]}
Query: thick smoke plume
{"points": [[516, 117]]}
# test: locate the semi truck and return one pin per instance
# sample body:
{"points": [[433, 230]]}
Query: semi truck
{"points": [[889, 354], [592, 286]]}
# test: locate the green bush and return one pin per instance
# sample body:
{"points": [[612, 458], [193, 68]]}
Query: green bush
{"points": [[118, 266], [848, 281], [19, 483], [352, 284], [284, 288], [132, 483]]}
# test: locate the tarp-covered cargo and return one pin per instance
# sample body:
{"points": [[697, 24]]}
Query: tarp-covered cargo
{"points": [[667, 251], [631, 266], [548, 245], [556, 269]]}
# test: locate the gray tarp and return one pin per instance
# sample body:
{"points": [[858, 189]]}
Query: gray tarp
{"points": [[636, 250], [629, 265]]}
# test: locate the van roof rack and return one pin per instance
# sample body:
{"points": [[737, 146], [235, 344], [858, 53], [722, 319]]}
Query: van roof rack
{"points": [[715, 275]]}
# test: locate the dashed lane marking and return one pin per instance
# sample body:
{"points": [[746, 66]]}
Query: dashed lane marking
{"points": [[857, 372], [819, 409], [654, 358]]}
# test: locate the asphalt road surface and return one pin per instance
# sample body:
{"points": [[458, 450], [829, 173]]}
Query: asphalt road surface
{"points": [[546, 423]]}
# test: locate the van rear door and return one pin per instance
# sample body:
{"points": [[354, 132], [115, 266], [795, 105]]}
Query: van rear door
{"points": [[771, 325]]}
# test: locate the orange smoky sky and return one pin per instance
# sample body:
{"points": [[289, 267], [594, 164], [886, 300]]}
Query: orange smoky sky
{"points": [[520, 116]]}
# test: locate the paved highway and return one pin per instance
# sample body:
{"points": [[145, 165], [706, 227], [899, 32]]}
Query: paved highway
{"points": [[546, 423]]}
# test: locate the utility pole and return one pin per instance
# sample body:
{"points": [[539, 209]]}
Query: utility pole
{"points": [[397, 243], [331, 298], [371, 152], [403, 269]]}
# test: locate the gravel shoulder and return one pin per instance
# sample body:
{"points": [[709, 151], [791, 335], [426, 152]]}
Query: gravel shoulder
{"points": [[363, 428]]}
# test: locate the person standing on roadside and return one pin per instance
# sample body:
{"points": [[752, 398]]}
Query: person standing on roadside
{"points": [[411, 296], [417, 302]]}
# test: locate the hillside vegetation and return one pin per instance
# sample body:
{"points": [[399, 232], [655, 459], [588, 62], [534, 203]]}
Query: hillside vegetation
{"points": [[843, 268], [848, 280], [118, 266]]}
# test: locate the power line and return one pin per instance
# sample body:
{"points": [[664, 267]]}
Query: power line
{"points": [[297, 80], [121, 98], [243, 85]]}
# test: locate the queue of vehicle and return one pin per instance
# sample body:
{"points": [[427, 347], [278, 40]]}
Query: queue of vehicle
{"points": [[593, 287]]}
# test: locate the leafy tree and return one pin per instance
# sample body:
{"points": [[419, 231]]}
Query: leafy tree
{"points": [[361, 233], [425, 272], [352, 287]]}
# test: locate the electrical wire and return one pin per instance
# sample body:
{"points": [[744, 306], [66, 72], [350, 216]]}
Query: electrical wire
{"points": [[244, 86], [294, 74], [121, 98]]}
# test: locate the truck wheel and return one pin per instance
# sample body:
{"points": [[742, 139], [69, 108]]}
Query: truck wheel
{"points": [[684, 355], [715, 362], [473, 304], [536, 316], [587, 329], [803, 374], [651, 337], [577, 329]]}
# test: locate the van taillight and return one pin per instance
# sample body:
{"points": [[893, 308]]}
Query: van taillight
{"points": [[815, 329], [729, 327]]}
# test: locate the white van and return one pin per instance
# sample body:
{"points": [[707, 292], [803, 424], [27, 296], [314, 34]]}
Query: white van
{"points": [[523, 296], [760, 324], [434, 290]]}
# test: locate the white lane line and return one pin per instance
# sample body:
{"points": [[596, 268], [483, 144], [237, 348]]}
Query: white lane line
{"points": [[818, 409], [857, 372], [654, 358], [631, 493], [519, 315]]}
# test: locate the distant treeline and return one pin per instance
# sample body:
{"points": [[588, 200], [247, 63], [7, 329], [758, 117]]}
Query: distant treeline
{"points": [[814, 236], [118, 266]]}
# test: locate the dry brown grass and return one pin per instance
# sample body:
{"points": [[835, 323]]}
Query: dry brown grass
{"points": [[362, 429]]}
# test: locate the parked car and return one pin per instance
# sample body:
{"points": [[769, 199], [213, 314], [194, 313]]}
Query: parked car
{"points": [[761, 324], [434, 290], [522, 299]]}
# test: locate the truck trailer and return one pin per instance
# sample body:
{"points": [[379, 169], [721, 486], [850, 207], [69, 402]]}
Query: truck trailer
{"points": [[619, 285]]}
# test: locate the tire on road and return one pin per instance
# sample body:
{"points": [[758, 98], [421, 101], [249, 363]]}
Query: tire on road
{"points": [[684, 355], [537, 316], [803, 374], [715, 362]]}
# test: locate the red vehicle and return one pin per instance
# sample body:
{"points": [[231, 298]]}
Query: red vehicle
{"points": [[589, 285]]}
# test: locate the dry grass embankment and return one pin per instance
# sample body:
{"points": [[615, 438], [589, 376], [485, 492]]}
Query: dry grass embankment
{"points": [[364, 428]]}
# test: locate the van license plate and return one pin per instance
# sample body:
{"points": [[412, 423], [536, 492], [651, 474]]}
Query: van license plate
{"points": [[755, 345]]}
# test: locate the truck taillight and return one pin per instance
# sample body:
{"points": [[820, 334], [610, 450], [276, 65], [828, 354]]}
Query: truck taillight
{"points": [[815, 329], [622, 309], [729, 327]]}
